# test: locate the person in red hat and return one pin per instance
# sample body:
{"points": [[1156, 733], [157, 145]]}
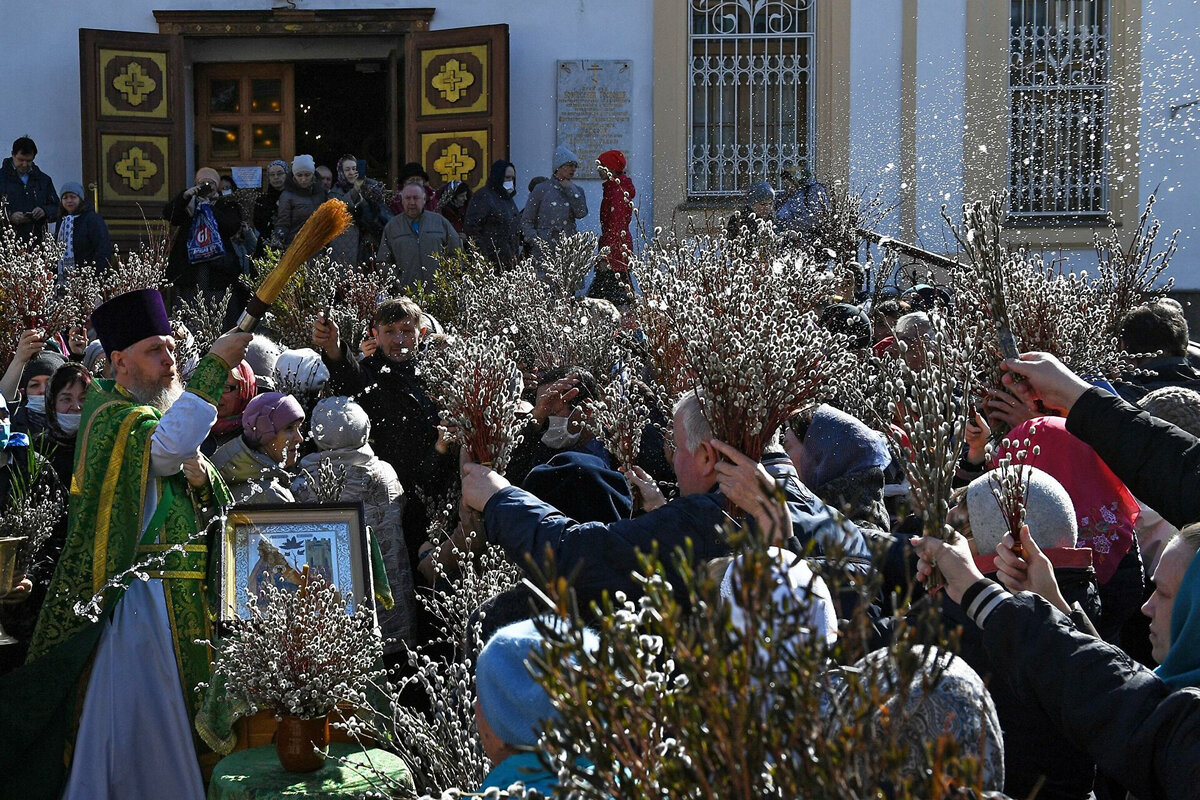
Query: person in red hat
{"points": [[616, 213], [127, 647]]}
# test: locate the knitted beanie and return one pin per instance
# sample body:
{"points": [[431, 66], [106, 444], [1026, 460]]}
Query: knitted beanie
{"points": [[262, 354], [303, 163], [339, 423], [1049, 513], [1177, 405], [514, 704], [72, 187], [563, 155], [268, 414], [44, 363]]}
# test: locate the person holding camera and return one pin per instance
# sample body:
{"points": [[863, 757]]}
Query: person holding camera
{"points": [[202, 256]]}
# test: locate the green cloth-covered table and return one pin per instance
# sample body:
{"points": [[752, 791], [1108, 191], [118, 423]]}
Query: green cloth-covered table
{"points": [[255, 774]]}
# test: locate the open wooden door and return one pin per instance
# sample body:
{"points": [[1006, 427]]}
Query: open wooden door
{"points": [[131, 85], [456, 89]]}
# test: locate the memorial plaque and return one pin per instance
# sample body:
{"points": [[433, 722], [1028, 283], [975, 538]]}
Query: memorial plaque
{"points": [[595, 110]]}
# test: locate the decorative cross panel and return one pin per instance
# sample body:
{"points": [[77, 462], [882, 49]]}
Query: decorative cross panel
{"points": [[135, 168], [457, 156], [455, 80], [132, 84]]}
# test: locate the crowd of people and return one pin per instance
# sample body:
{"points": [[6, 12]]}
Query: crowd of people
{"points": [[1083, 627]]}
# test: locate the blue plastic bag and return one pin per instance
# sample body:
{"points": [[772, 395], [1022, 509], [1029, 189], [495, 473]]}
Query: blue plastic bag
{"points": [[204, 243]]}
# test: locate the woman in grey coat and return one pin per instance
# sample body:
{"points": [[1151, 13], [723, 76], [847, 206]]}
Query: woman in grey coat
{"points": [[301, 196], [340, 428], [554, 204]]}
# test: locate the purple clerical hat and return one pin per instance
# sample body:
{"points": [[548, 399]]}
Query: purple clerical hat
{"points": [[128, 318]]}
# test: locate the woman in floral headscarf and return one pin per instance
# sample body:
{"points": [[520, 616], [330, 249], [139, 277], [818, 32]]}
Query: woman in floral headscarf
{"points": [[1104, 509], [364, 198], [240, 388]]}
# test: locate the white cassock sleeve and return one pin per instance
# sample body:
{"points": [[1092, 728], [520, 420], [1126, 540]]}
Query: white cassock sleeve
{"points": [[180, 433]]}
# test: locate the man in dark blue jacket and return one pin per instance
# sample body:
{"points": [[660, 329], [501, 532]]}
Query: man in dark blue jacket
{"points": [[28, 193], [602, 557]]}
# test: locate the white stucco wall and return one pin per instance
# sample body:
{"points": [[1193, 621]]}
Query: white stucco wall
{"points": [[941, 87], [875, 44], [44, 52], [1170, 147]]}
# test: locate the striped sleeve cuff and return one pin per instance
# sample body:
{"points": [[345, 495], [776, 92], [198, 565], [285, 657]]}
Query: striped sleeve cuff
{"points": [[981, 599]]}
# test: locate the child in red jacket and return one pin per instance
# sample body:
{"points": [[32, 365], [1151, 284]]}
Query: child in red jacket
{"points": [[616, 213]]}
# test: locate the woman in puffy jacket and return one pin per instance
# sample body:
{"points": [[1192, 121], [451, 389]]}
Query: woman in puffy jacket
{"points": [[493, 222]]}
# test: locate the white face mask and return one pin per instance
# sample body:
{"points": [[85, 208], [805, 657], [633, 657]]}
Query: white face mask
{"points": [[510, 187], [68, 422], [36, 403], [558, 435]]}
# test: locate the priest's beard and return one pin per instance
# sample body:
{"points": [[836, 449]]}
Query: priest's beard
{"points": [[153, 393]]}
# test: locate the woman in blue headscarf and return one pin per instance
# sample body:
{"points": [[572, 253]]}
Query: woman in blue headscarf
{"points": [[842, 461]]}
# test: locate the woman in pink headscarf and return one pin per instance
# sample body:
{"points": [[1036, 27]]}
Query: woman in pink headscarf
{"points": [[1104, 509], [240, 388]]}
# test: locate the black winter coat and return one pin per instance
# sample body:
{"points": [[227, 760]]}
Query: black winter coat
{"points": [[221, 272], [1139, 732], [1033, 747], [25, 197], [90, 241], [1157, 461], [493, 223], [403, 430]]}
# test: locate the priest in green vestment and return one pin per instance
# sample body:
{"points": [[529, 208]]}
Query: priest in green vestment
{"points": [[106, 701]]}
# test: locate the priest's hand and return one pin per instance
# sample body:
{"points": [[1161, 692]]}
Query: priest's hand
{"points": [[195, 472], [231, 347]]}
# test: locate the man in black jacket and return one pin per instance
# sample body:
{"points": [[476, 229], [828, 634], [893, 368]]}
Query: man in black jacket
{"points": [[31, 202], [403, 417]]}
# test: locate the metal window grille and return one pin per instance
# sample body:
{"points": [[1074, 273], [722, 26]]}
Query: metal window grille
{"points": [[1059, 68], [752, 102]]}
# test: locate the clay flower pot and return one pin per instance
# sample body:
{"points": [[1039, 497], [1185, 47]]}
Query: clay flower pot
{"points": [[296, 740]]}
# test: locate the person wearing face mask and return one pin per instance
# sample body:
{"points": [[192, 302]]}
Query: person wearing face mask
{"points": [[492, 220], [255, 465], [30, 418], [267, 202], [452, 201], [300, 197], [364, 198], [203, 259], [64, 405], [557, 422], [228, 186]]}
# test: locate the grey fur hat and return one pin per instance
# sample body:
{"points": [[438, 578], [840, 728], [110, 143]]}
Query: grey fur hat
{"points": [[339, 423], [1049, 513], [1177, 405]]}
